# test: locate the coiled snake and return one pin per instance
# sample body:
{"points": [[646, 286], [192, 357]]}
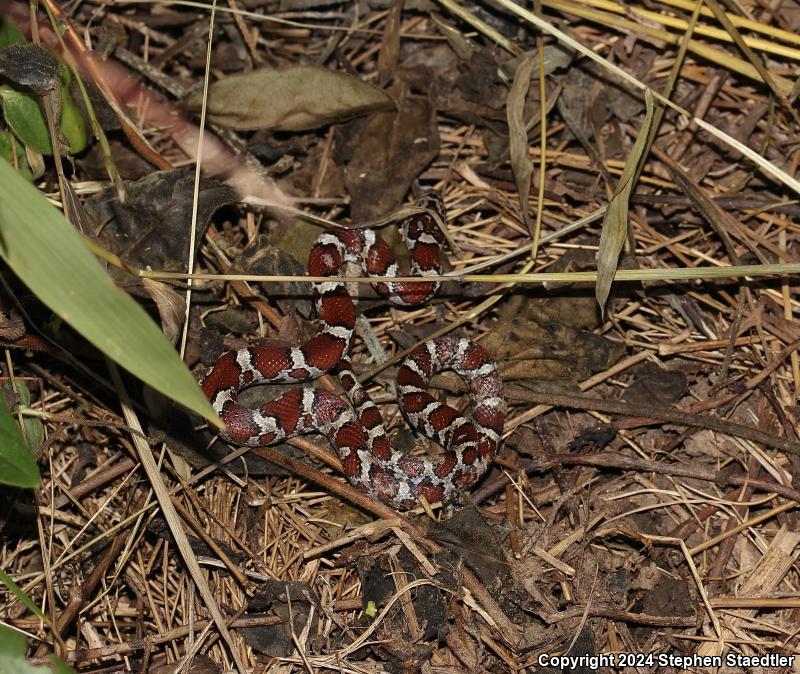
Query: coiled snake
{"points": [[356, 429]]}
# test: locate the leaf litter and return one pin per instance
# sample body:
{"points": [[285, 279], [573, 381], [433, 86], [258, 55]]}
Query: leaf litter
{"points": [[627, 511]]}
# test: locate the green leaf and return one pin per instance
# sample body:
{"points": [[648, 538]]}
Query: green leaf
{"points": [[24, 599], [17, 466], [73, 125], [46, 252], [10, 34], [32, 427], [59, 666], [615, 222], [6, 149], [12, 656], [26, 119], [11, 642], [21, 99]]}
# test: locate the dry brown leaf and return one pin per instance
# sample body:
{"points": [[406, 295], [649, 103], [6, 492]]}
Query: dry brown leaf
{"points": [[389, 150], [171, 307], [521, 164], [389, 54], [296, 98], [615, 222], [556, 57]]}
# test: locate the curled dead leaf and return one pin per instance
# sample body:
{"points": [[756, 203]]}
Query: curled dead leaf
{"points": [[521, 164], [615, 222], [171, 307]]}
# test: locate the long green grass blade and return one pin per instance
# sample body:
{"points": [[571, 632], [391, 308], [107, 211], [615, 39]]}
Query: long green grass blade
{"points": [[24, 599], [47, 254]]}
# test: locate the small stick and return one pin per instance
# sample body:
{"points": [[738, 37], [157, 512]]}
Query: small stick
{"points": [[651, 412]]}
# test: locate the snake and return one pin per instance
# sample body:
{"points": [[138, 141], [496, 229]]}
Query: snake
{"points": [[355, 426]]}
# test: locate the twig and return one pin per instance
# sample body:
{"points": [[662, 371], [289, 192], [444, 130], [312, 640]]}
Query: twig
{"points": [[648, 414]]}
